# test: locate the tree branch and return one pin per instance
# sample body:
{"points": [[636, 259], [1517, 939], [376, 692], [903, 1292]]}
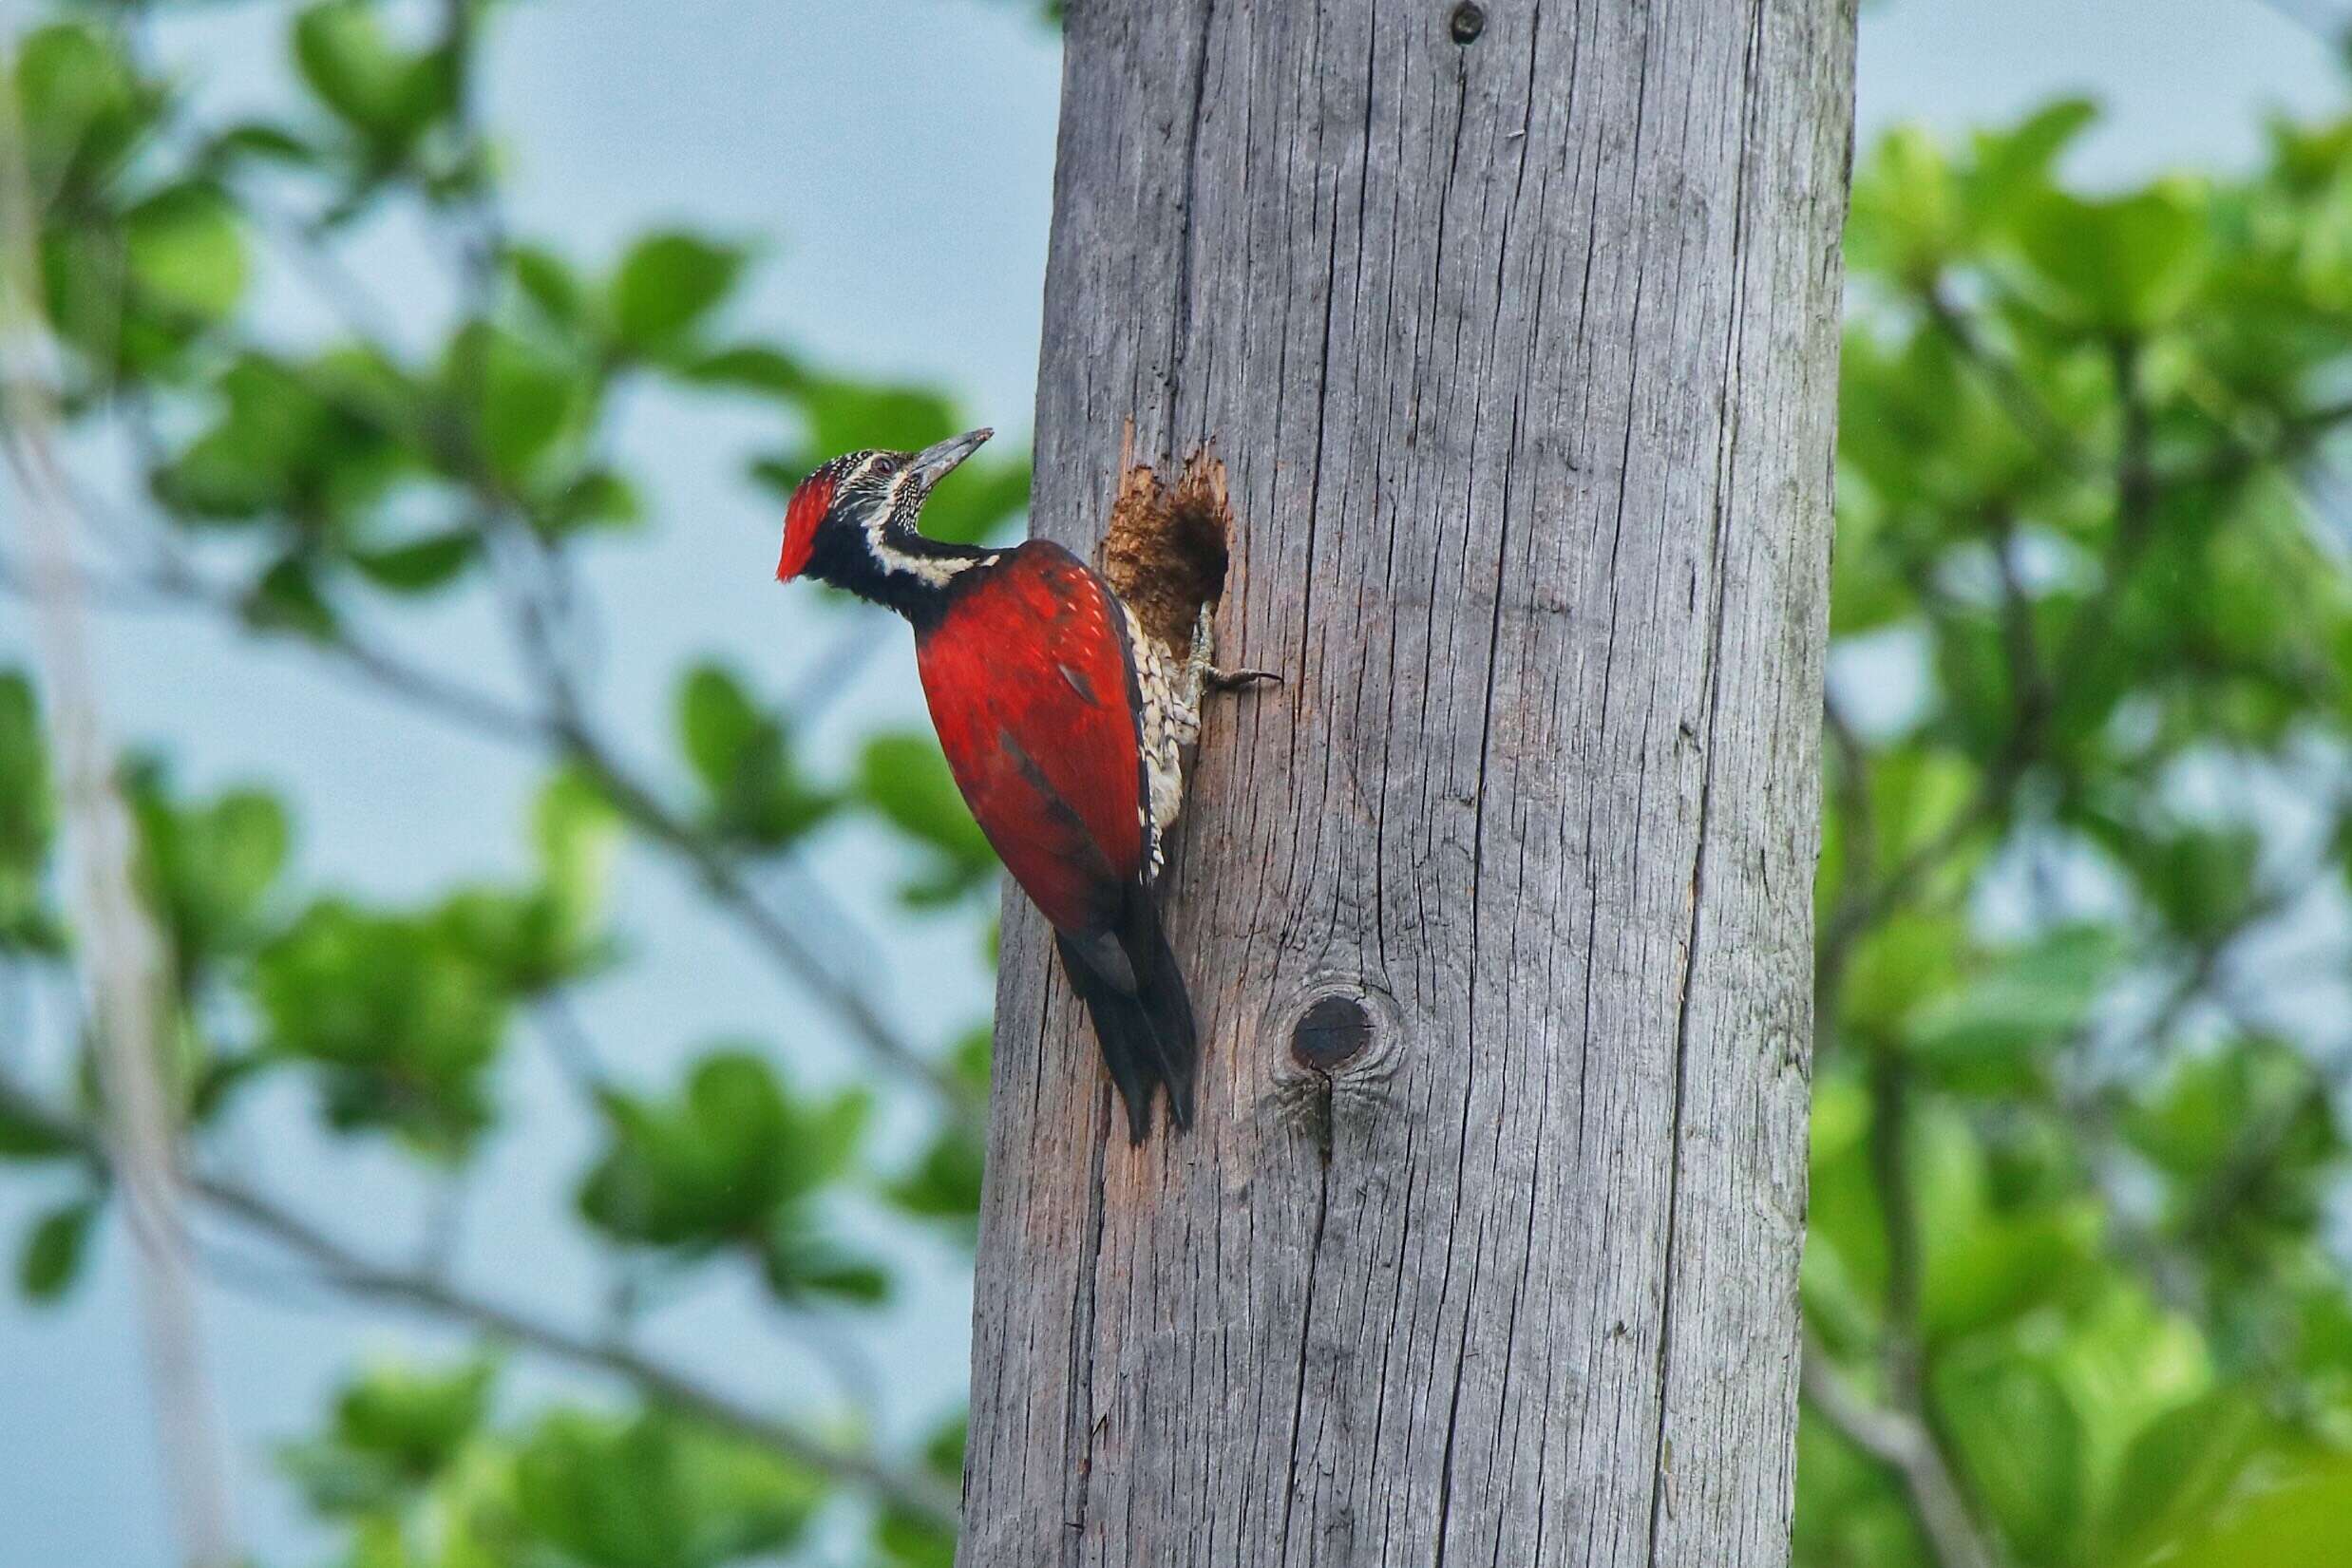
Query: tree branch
{"points": [[724, 880], [354, 1276], [568, 730], [121, 955], [1903, 1443], [2016, 397], [535, 610], [361, 1278]]}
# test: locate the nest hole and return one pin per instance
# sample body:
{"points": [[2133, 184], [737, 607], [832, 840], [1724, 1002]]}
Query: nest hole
{"points": [[1166, 547]]}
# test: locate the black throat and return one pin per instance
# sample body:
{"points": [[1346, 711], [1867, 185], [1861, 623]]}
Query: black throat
{"points": [[912, 574]]}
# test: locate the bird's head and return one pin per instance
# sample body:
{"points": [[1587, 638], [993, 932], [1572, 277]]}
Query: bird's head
{"points": [[851, 516]]}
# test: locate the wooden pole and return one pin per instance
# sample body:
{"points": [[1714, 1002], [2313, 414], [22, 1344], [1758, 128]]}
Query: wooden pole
{"points": [[1515, 323]]}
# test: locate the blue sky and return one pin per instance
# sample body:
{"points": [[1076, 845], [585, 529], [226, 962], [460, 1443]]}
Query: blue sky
{"points": [[897, 157]]}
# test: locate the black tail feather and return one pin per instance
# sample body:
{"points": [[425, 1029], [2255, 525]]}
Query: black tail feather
{"points": [[1148, 1035], [1160, 987]]}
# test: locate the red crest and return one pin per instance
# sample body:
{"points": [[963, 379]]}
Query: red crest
{"points": [[809, 506]]}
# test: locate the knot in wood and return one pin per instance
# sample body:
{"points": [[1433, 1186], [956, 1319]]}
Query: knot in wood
{"points": [[1330, 1033]]}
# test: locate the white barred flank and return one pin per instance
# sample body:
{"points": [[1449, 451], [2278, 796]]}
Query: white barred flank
{"points": [[1171, 723]]}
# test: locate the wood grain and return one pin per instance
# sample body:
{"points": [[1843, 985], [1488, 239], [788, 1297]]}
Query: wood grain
{"points": [[1521, 354]]}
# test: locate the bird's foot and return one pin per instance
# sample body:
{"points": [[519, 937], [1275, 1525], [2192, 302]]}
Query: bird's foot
{"points": [[1235, 680]]}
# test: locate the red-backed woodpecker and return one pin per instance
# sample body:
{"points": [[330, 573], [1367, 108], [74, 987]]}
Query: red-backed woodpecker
{"points": [[1063, 725]]}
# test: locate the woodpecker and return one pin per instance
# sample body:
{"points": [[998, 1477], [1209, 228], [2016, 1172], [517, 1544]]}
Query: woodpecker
{"points": [[1064, 726]]}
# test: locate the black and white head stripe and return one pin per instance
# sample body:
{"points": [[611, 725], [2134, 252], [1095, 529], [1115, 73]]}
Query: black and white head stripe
{"points": [[852, 523], [882, 490]]}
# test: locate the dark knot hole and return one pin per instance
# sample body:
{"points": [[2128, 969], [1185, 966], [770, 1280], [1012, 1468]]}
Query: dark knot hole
{"points": [[1330, 1033]]}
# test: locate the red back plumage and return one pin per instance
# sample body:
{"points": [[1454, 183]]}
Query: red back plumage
{"points": [[1030, 686]]}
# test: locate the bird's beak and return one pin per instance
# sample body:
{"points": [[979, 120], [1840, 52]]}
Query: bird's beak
{"points": [[933, 463]]}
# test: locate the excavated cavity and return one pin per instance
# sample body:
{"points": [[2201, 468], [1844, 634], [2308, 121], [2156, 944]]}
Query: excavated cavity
{"points": [[1166, 551], [1165, 556]]}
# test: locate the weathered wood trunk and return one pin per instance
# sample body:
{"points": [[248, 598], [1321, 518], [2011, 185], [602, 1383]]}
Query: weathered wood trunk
{"points": [[1517, 333]]}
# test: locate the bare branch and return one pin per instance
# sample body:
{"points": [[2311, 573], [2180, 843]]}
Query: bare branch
{"points": [[361, 1278], [1903, 1443], [124, 959], [724, 879], [343, 1269], [2016, 397]]}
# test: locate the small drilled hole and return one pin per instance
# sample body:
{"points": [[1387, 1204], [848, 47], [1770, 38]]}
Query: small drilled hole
{"points": [[1469, 20], [1333, 1031]]}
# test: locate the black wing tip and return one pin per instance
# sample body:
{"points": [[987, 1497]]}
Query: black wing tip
{"points": [[1139, 1109], [1147, 1034]]}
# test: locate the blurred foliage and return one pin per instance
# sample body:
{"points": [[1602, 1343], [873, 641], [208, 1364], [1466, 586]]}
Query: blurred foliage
{"points": [[414, 1467], [2084, 933], [2085, 939], [456, 436]]}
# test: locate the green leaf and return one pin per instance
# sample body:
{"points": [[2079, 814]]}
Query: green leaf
{"points": [[287, 598], [388, 95], [209, 868], [1905, 216], [577, 832], [717, 722], [799, 1268], [530, 941], [1847, 1511], [421, 565], [944, 1182], [667, 285], [1895, 968], [54, 1250], [595, 498], [657, 1493], [906, 781], [315, 442], [81, 105], [23, 1138], [342, 53], [2190, 1123], [263, 141], [547, 280], [861, 1284], [2178, 1471], [752, 368], [28, 820], [2011, 169], [396, 1429], [757, 793], [398, 1014], [2124, 265], [520, 943], [1987, 1275], [2020, 1442], [186, 252], [979, 500], [2302, 1521], [1995, 1032], [419, 1420], [2201, 880], [727, 1163], [336, 1482], [524, 399], [845, 415], [907, 1541]]}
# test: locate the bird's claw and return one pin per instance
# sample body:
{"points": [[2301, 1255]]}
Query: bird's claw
{"points": [[1234, 680]]}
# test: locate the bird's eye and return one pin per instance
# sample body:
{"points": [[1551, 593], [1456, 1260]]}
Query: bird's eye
{"points": [[885, 466]]}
